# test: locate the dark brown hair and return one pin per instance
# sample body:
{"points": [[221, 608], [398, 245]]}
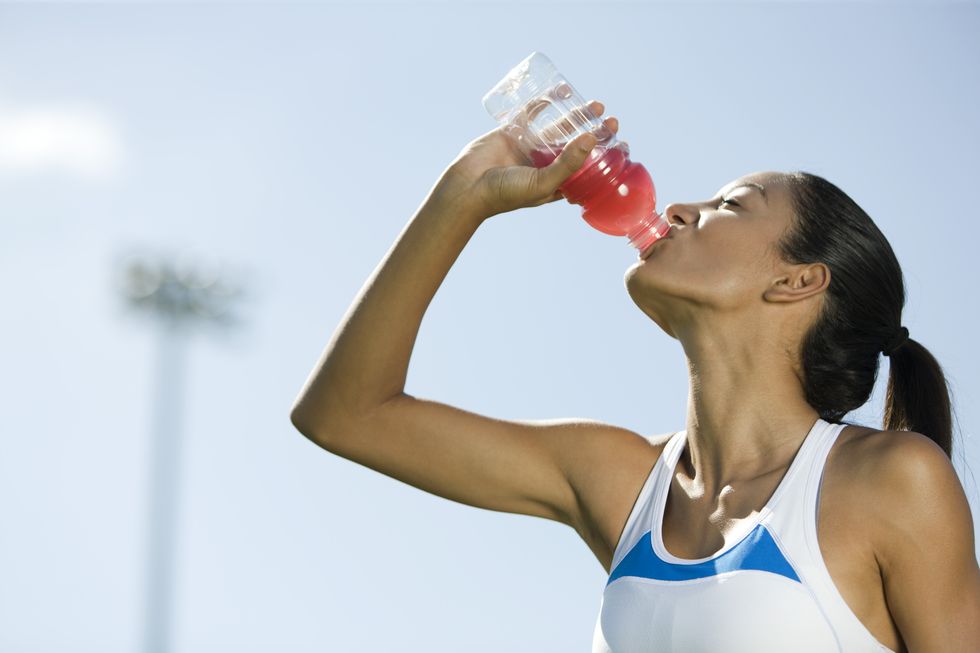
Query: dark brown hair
{"points": [[862, 312]]}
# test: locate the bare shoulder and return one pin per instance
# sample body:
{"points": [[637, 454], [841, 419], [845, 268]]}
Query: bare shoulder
{"points": [[907, 470], [898, 481], [919, 523], [877, 446], [888, 462], [607, 480]]}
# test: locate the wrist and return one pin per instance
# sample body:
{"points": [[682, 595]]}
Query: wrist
{"points": [[456, 194]]}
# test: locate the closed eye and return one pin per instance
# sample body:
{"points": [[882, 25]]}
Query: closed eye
{"points": [[732, 202]]}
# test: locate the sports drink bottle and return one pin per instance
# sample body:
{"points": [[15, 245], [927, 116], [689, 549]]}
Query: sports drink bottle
{"points": [[542, 112]]}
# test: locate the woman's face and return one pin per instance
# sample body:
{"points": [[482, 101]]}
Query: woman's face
{"points": [[719, 255]]}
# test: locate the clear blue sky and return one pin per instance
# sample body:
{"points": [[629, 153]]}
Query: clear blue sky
{"points": [[293, 143]]}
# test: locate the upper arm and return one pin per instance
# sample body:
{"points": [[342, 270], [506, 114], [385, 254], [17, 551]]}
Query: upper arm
{"points": [[527, 467], [924, 541]]}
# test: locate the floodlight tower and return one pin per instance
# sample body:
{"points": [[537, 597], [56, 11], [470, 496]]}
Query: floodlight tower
{"points": [[179, 297]]}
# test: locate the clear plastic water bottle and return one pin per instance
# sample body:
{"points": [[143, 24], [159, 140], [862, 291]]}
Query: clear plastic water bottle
{"points": [[542, 112]]}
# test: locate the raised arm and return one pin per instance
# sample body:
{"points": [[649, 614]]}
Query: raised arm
{"points": [[354, 402]]}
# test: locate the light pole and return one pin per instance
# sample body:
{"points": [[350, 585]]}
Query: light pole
{"points": [[178, 296]]}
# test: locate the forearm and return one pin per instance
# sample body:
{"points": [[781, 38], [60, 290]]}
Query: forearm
{"points": [[366, 361]]}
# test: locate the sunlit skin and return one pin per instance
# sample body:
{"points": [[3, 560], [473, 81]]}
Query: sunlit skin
{"points": [[894, 524], [717, 285]]}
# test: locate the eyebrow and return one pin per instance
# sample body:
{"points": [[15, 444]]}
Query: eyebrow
{"points": [[752, 184]]}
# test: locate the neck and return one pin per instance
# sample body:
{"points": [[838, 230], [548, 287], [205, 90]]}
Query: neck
{"points": [[746, 413]]}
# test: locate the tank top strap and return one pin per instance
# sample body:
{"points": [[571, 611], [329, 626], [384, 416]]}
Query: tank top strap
{"points": [[797, 494], [672, 451], [811, 490], [639, 521]]}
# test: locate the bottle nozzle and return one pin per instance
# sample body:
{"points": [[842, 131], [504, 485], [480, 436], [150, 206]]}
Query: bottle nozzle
{"points": [[649, 231]]}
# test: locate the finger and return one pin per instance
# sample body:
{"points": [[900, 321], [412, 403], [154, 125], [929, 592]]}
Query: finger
{"points": [[569, 124], [554, 197], [572, 156], [609, 127]]}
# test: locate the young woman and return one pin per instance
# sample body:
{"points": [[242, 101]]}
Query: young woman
{"points": [[767, 524]]}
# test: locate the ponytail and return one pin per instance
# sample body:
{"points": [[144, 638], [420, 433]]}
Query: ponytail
{"points": [[918, 396]]}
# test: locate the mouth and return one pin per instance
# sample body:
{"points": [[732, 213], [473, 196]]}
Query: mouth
{"points": [[649, 249]]}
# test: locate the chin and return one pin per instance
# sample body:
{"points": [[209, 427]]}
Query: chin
{"points": [[637, 281], [631, 271], [645, 295]]}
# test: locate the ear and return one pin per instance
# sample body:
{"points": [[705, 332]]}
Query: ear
{"points": [[798, 282]]}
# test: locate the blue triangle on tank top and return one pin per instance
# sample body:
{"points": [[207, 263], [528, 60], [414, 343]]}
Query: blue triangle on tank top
{"points": [[757, 551]]}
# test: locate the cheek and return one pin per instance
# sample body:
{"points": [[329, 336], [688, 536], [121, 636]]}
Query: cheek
{"points": [[727, 265], [717, 269]]}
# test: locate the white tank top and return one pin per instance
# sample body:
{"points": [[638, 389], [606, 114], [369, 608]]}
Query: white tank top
{"points": [[767, 591]]}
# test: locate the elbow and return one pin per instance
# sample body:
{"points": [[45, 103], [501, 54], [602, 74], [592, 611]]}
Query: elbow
{"points": [[323, 426], [297, 421], [302, 423], [316, 426]]}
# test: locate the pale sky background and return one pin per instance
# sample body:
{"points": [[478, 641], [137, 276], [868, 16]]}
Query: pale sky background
{"points": [[291, 143]]}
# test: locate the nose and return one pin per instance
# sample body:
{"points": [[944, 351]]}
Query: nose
{"points": [[680, 214]]}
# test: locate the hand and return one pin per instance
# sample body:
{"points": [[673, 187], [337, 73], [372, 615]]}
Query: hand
{"points": [[491, 173]]}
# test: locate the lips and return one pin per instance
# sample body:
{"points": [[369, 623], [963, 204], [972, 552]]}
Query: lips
{"points": [[646, 252]]}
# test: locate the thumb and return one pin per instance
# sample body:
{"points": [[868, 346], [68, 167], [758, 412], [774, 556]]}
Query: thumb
{"points": [[569, 161]]}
